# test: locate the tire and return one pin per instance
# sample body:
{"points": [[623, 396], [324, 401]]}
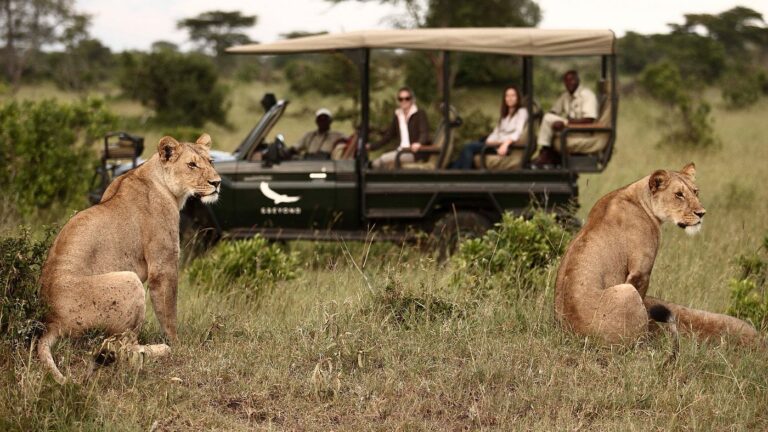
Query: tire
{"points": [[452, 228]]}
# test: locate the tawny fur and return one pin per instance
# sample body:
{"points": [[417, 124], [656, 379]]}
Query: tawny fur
{"points": [[94, 274], [603, 278]]}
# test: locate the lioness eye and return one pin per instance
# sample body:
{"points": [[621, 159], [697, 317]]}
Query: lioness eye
{"points": [[211, 161], [679, 194], [192, 165]]}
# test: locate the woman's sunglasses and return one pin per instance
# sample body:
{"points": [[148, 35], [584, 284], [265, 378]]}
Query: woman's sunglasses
{"points": [[402, 99]]}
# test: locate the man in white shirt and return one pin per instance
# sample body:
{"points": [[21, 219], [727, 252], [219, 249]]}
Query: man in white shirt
{"points": [[576, 107]]}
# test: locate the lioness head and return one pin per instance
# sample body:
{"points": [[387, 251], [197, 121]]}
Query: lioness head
{"points": [[675, 198], [188, 168]]}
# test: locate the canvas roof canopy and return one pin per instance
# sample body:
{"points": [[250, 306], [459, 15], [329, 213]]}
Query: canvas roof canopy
{"points": [[511, 41]]}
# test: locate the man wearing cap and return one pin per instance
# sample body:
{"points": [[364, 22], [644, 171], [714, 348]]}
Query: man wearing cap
{"points": [[319, 143]]}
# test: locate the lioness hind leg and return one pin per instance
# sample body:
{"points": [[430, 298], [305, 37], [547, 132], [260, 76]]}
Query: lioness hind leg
{"points": [[112, 301], [619, 315]]}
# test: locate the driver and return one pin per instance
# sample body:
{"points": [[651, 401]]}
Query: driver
{"points": [[319, 143]]}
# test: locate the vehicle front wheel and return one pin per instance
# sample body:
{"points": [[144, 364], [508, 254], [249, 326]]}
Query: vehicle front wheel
{"points": [[452, 228]]}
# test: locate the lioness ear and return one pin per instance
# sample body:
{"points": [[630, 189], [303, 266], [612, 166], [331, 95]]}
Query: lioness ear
{"points": [[689, 170], [204, 140], [658, 180], [168, 149]]}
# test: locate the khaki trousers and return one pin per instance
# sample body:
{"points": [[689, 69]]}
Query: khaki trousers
{"points": [[387, 160]]}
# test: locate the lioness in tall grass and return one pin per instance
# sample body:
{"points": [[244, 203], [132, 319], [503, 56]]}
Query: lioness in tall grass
{"points": [[603, 278], [96, 267]]}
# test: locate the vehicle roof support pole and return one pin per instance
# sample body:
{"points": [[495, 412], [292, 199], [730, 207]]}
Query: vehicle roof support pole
{"points": [[364, 105], [446, 105], [362, 140], [528, 89]]}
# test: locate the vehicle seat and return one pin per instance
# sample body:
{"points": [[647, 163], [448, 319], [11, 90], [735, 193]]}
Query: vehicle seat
{"points": [[440, 149], [512, 160]]}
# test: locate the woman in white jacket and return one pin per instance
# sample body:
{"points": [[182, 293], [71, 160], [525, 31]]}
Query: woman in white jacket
{"points": [[507, 132]]}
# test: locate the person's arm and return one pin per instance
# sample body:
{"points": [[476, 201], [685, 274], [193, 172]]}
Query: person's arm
{"points": [[494, 138], [423, 124], [388, 135], [518, 124], [559, 106]]}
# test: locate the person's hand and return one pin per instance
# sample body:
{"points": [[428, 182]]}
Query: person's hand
{"points": [[368, 146], [415, 147], [558, 125], [503, 148]]}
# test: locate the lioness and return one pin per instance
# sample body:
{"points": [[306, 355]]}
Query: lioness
{"points": [[96, 267], [603, 278]]}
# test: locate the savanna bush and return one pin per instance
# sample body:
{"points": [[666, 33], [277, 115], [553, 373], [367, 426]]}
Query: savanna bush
{"points": [[250, 265], [21, 309], [46, 153], [749, 291], [516, 253], [688, 122], [742, 87], [183, 89]]}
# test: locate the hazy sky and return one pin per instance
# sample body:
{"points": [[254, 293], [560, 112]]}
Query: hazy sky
{"points": [[135, 24]]}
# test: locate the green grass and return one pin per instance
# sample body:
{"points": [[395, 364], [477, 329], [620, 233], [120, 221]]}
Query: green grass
{"points": [[334, 350]]}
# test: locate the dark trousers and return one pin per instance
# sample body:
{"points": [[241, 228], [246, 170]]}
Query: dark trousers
{"points": [[468, 154]]}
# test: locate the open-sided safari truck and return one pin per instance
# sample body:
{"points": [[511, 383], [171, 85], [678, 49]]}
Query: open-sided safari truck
{"points": [[346, 198]]}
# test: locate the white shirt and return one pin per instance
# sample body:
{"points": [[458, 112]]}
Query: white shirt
{"points": [[402, 119], [581, 104], [510, 127]]}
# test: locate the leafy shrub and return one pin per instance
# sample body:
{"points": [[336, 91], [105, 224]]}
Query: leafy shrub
{"points": [[741, 87], [183, 89], [515, 251], [252, 265], [45, 150], [21, 310], [688, 122], [332, 74], [749, 292]]}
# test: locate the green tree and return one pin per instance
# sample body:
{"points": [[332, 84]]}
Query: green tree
{"points": [[183, 89], [215, 31], [28, 25]]}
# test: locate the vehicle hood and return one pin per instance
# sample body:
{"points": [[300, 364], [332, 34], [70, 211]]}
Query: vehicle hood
{"points": [[217, 155]]}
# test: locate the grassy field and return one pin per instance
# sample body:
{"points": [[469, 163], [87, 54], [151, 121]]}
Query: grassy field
{"points": [[376, 348]]}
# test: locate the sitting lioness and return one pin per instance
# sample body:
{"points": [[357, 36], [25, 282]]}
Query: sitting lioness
{"points": [[96, 267], [603, 278]]}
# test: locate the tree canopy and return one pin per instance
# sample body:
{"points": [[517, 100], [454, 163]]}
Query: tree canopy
{"points": [[215, 31]]}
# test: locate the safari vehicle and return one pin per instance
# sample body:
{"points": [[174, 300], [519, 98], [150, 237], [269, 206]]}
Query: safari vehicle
{"points": [[278, 198]]}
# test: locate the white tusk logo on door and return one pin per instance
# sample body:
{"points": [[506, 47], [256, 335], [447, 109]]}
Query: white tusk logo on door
{"points": [[276, 197]]}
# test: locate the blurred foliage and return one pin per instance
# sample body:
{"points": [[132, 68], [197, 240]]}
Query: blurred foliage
{"points": [[515, 252], [687, 121], [329, 74], [251, 266], [215, 31], [183, 89], [725, 49], [21, 308], [46, 154], [749, 291]]}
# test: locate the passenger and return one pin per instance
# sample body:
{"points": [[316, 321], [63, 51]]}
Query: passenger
{"points": [[412, 127], [319, 143], [512, 120], [576, 106]]}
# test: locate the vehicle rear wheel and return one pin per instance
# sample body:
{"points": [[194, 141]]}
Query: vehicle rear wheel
{"points": [[454, 227]]}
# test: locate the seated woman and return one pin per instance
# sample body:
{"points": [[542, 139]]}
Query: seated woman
{"points": [[412, 127], [507, 132]]}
